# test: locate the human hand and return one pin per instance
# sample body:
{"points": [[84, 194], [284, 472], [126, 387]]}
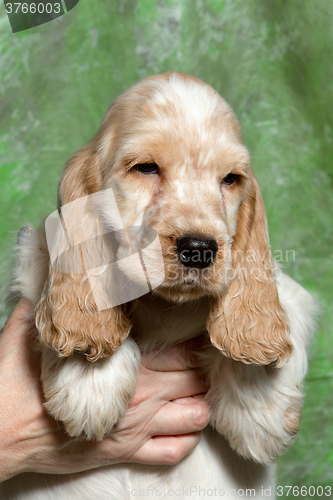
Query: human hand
{"points": [[161, 426]]}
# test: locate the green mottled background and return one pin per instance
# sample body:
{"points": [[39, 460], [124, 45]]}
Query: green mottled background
{"points": [[270, 59]]}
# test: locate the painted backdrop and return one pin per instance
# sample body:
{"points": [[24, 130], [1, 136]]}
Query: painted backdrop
{"points": [[270, 59]]}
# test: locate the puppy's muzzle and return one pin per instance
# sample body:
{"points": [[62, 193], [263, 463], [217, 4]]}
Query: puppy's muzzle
{"points": [[196, 251]]}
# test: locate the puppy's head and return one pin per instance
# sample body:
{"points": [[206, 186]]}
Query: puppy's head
{"points": [[171, 151]]}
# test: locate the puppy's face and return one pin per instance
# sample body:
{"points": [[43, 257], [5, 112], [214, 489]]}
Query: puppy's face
{"points": [[174, 158], [169, 153]]}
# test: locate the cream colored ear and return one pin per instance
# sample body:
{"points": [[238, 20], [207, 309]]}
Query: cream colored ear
{"points": [[248, 323], [68, 318]]}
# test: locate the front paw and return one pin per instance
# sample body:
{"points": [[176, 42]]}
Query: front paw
{"points": [[254, 408], [259, 432], [89, 398]]}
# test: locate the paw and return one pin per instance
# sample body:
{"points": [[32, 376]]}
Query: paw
{"points": [[257, 408], [260, 434], [89, 398]]}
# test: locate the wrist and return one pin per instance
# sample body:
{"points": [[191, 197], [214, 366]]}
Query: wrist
{"points": [[16, 453]]}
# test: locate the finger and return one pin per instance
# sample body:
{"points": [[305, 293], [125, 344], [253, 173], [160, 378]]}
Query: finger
{"points": [[167, 450], [167, 386], [176, 418], [190, 400], [177, 357], [183, 384]]}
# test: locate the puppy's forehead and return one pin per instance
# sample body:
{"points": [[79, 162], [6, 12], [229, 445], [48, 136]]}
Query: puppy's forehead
{"points": [[187, 98], [178, 103]]}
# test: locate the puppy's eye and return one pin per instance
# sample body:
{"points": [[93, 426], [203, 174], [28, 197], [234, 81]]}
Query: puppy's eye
{"points": [[230, 179], [147, 168]]}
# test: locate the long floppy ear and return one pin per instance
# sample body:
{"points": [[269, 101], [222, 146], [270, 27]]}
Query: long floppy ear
{"points": [[68, 317], [248, 323]]}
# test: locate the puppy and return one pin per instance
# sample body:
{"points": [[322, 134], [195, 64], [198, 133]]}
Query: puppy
{"points": [[160, 212]]}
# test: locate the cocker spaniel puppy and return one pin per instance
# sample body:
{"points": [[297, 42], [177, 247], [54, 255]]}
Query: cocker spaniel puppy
{"points": [[164, 197]]}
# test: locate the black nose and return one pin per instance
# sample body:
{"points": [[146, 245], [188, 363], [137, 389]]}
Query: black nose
{"points": [[196, 251]]}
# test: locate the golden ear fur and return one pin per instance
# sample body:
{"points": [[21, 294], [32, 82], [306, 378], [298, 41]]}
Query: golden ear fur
{"points": [[67, 317], [248, 323]]}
